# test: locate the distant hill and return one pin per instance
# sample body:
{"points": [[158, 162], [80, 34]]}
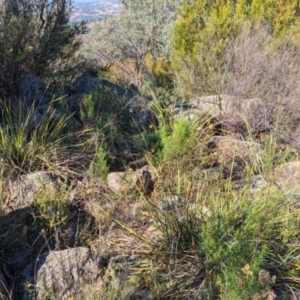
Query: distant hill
{"points": [[94, 10]]}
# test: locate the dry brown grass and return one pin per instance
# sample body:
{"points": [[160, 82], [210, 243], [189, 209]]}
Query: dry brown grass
{"points": [[257, 68]]}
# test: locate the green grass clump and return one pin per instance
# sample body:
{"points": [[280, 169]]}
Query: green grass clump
{"points": [[25, 147]]}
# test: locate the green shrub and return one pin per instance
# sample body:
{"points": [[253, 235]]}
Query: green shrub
{"points": [[179, 140], [234, 243], [220, 243], [202, 31], [104, 109], [37, 38], [99, 167], [51, 208], [143, 28]]}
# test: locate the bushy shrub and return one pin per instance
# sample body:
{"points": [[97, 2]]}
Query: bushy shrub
{"points": [[224, 244], [105, 109], [35, 38], [203, 29], [178, 140], [143, 28], [99, 167], [256, 68], [231, 240]]}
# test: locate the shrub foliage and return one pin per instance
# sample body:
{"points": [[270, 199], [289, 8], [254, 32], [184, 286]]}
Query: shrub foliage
{"points": [[35, 38], [203, 28]]}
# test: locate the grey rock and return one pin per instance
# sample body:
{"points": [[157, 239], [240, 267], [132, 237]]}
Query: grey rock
{"points": [[143, 178], [122, 181], [220, 141], [24, 189], [234, 156], [61, 274], [34, 91], [231, 113], [216, 105], [236, 115], [85, 83], [287, 177]]}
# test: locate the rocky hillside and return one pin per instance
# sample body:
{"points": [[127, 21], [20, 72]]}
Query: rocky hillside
{"points": [[108, 226], [94, 11], [159, 160]]}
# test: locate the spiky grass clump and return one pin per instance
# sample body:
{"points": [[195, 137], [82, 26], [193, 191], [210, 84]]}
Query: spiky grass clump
{"points": [[28, 144]]}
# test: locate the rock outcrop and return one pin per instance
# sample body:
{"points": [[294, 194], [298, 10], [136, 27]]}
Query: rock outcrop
{"points": [[143, 179], [234, 155], [287, 178], [60, 274], [34, 91], [244, 116], [21, 192]]}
